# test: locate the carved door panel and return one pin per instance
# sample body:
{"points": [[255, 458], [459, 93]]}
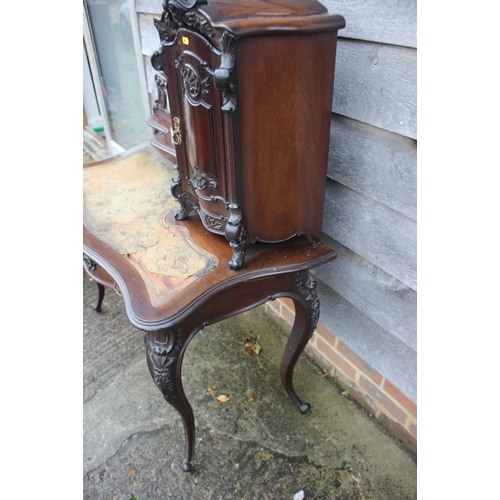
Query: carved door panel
{"points": [[201, 116]]}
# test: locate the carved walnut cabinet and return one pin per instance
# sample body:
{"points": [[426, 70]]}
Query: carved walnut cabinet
{"points": [[245, 93]]}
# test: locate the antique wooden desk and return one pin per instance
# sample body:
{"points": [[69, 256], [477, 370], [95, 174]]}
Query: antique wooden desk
{"points": [[174, 275]]}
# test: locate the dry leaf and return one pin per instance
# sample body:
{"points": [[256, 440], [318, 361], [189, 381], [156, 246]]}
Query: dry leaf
{"points": [[251, 399], [131, 472], [212, 388], [223, 399], [253, 349], [252, 346]]}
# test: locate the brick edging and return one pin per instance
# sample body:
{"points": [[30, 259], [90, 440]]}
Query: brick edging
{"points": [[376, 394]]}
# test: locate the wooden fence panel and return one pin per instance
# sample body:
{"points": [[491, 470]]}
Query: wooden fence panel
{"points": [[387, 354], [382, 21], [376, 163], [379, 296], [377, 84], [150, 39], [380, 235], [149, 6]]}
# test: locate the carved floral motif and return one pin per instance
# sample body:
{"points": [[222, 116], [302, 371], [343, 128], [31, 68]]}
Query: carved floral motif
{"points": [[161, 357], [307, 288], [182, 197], [202, 181], [224, 44], [89, 263], [176, 15], [192, 83], [211, 222]]}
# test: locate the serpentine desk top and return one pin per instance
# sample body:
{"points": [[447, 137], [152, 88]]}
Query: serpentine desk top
{"points": [[165, 268]]}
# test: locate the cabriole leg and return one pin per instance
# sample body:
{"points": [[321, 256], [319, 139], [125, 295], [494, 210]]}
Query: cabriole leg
{"points": [[306, 303], [164, 351]]}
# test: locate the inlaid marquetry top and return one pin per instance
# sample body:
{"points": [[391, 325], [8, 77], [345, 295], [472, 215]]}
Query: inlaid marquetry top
{"points": [[164, 267]]}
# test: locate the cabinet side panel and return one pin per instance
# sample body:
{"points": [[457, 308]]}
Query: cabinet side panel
{"points": [[285, 98]]}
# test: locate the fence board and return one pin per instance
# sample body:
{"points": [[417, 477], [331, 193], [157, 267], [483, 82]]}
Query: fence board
{"points": [[377, 84], [383, 21], [150, 77], [149, 6], [376, 163], [389, 356], [150, 40], [380, 235], [379, 296]]}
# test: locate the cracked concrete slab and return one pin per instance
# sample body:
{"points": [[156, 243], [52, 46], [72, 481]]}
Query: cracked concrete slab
{"points": [[134, 441]]}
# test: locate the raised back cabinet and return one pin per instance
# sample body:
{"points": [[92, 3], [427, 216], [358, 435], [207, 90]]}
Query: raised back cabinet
{"points": [[245, 93]]}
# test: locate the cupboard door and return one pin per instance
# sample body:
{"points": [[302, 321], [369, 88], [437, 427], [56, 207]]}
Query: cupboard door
{"points": [[200, 126]]}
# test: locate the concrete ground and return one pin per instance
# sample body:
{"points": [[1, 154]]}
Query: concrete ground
{"points": [[264, 449]]}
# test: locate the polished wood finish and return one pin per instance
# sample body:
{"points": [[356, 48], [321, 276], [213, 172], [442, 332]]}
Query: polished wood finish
{"points": [[250, 87], [243, 109], [115, 271], [271, 271]]}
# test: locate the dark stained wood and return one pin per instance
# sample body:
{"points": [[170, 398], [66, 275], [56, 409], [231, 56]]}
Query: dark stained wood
{"points": [[373, 162], [271, 271], [252, 17], [286, 86], [250, 87], [247, 121], [262, 261]]}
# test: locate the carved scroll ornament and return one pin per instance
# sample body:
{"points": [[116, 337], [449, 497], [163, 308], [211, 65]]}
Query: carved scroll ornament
{"points": [[161, 357], [307, 289], [224, 78], [176, 14]]}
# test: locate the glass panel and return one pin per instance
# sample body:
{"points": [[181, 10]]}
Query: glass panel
{"points": [[112, 34]]}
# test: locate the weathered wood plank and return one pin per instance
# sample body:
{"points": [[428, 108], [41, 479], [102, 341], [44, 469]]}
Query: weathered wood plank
{"points": [[150, 40], [376, 294], [150, 77], [376, 163], [149, 6], [134, 25], [377, 84], [383, 21], [388, 355], [380, 235]]}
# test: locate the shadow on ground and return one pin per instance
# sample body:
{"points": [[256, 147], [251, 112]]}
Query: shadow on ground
{"points": [[264, 449]]}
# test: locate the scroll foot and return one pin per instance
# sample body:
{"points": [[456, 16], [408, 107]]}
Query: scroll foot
{"points": [[238, 257]]}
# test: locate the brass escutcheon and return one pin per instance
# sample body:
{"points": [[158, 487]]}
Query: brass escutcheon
{"points": [[176, 131]]}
